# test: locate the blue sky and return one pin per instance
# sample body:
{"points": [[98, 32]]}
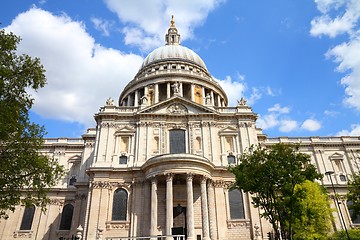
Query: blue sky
{"points": [[296, 62]]}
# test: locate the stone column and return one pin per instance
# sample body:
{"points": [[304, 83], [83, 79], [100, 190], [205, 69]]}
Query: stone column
{"points": [[212, 210], [156, 93], [169, 205], [192, 92], [136, 100], [212, 98], [190, 208], [204, 210], [168, 90], [154, 207]]}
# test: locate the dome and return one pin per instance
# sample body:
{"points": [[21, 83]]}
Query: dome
{"points": [[173, 52]]}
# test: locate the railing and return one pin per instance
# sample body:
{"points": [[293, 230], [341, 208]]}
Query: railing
{"points": [[175, 237]]}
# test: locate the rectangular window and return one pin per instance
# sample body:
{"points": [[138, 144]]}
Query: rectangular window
{"points": [[236, 204], [177, 141]]}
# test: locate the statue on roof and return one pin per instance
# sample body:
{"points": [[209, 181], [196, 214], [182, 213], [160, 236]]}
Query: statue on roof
{"points": [[242, 102], [109, 102]]}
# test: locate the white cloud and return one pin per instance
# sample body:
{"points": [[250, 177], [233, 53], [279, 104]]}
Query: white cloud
{"points": [[346, 16], [311, 125], [348, 57], [79, 71], [234, 90], [278, 109], [278, 117], [288, 125], [333, 26], [102, 25], [267, 122], [146, 29], [355, 131]]}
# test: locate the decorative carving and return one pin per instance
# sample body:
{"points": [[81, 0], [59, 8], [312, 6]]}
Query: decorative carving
{"points": [[23, 234], [177, 109], [242, 102], [222, 184], [109, 102], [57, 202], [110, 185], [208, 99], [176, 88], [238, 224], [108, 125], [117, 225], [80, 196]]}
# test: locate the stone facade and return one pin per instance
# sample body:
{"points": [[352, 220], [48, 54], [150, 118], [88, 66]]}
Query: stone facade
{"points": [[164, 152]]}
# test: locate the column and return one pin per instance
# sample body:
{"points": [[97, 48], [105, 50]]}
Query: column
{"points": [[181, 90], [154, 208], [136, 100], [203, 95], [212, 98], [190, 208], [129, 100], [168, 91], [156, 93], [204, 210], [219, 100], [169, 205], [212, 210], [192, 92]]}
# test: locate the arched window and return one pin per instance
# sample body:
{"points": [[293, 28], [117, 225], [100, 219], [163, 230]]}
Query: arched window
{"points": [[66, 217], [354, 218], [177, 141], [231, 159], [236, 204], [119, 205], [197, 143], [123, 159], [28, 217], [342, 178]]}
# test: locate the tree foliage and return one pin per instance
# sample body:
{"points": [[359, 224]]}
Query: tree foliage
{"points": [[313, 215], [354, 234], [353, 196], [25, 174], [270, 175]]}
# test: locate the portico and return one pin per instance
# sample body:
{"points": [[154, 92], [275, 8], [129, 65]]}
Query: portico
{"points": [[175, 179]]}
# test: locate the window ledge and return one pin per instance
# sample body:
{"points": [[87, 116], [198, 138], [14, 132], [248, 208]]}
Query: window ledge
{"points": [[118, 225], [23, 234], [239, 223]]}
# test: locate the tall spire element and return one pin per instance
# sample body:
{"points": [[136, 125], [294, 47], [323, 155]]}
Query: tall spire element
{"points": [[172, 37]]}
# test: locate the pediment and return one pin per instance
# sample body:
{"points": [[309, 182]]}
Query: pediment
{"points": [[125, 129], [336, 156], [176, 106], [228, 130], [75, 159]]}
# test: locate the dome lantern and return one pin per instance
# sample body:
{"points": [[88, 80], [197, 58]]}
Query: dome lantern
{"points": [[172, 37]]}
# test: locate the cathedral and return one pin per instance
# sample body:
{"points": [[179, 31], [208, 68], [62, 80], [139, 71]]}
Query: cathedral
{"points": [[156, 164]]}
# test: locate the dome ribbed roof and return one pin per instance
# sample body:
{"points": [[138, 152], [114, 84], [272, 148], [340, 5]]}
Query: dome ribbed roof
{"points": [[173, 52]]}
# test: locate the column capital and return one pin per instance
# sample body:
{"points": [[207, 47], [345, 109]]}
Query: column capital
{"points": [[189, 176], [203, 179], [153, 180], [169, 176]]}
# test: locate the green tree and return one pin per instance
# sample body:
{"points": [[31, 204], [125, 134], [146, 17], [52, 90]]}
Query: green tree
{"points": [[270, 175], [354, 234], [353, 196], [313, 215], [25, 174]]}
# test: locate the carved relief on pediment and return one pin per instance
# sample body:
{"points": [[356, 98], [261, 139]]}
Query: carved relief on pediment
{"points": [[177, 108]]}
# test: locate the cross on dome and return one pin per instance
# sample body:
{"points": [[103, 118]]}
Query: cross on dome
{"points": [[172, 37]]}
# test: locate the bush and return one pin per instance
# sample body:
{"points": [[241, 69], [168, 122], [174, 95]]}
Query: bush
{"points": [[354, 234]]}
